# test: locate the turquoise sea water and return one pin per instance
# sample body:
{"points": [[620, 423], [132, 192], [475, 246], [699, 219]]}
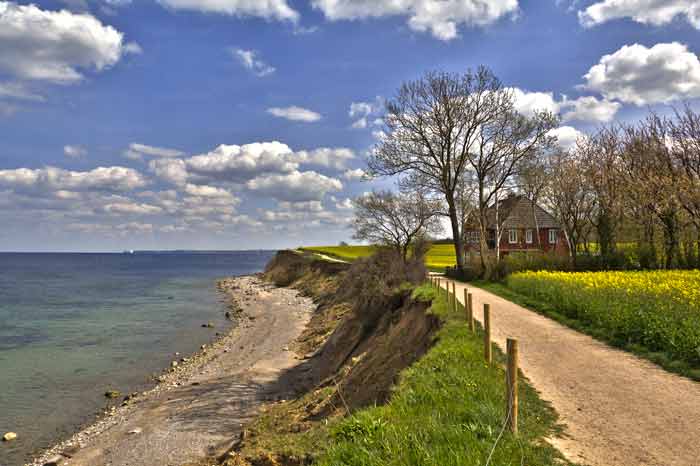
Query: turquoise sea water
{"points": [[74, 325]]}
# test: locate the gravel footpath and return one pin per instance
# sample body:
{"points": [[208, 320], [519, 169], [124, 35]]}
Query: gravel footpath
{"points": [[201, 402], [619, 410]]}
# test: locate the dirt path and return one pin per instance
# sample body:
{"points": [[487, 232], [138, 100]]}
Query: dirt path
{"points": [[198, 410], [619, 410]]}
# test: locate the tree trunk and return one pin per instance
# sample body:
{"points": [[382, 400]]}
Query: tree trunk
{"points": [[457, 237], [670, 223], [606, 234]]}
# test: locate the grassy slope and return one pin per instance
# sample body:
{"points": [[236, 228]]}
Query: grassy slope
{"points": [[550, 310], [447, 409], [439, 256]]}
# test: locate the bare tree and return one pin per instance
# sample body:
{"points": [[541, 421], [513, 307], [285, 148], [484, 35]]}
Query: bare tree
{"points": [[685, 133], [601, 153], [651, 178], [395, 220], [569, 196], [443, 125], [533, 180]]}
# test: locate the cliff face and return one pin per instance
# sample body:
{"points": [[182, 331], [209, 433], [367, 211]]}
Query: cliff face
{"points": [[351, 353], [356, 347]]}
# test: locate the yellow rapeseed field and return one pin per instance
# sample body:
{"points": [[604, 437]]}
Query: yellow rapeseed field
{"points": [[659, 310]]}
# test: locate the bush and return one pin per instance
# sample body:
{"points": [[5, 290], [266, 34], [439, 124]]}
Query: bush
{"points": [[379, 281]]}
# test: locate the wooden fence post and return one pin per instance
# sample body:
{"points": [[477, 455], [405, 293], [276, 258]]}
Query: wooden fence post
{"points": [[466, 304], [512, 386], [470, 307], [487, 333], [454, 297]]}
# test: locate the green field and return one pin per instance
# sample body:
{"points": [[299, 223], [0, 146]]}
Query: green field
{"points": [[439, 256]]}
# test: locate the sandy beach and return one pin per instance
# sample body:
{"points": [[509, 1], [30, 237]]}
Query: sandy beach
{"points": [[200, 403]]}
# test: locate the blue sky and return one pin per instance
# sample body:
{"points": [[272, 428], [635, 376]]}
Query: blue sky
{"points": [[229, 124]]}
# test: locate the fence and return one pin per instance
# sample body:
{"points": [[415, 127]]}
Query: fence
{"points": [[512, 349]]}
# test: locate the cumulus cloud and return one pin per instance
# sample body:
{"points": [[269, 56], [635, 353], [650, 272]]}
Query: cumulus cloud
{"points": [[363, 112], [295, 113], [137, 151], [172, 170], [52, 178], [240, 163], [587, 108], [251, 61], [74, 151], [335, 158], [566, 136], [441, 18], [296, 186], [55, 46], [654, 12], [354, 175], [267, 9], [640, 75]]}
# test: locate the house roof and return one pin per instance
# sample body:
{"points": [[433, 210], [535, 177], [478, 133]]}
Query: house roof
{"points": [[519, 214]]}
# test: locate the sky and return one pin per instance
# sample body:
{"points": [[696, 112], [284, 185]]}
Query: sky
{"points": [[245, 124]]}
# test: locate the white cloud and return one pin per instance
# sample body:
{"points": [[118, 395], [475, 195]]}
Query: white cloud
{"points": [[354, 175], [208, 191], [362, 112], [74, 151], [587, 108], [654, 12], [131, 208], [240, 163], [566, 136], [16, 90], [335, 158], [51, 178], [308, 206], [441, 18], [295, 113], [641, 76], [250, 60], [345, 204], [171, 170], [54, 46], [137, 151], [296, 186], [267, 9]]}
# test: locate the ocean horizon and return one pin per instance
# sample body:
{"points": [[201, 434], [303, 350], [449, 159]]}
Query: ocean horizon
{"points": [[74, 325]]}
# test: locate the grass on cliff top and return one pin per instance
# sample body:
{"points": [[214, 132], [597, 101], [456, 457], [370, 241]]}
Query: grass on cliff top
{"points": [[447, 409], [439, 256]]}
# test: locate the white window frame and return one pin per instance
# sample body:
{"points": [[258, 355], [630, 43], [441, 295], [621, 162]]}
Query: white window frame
{"points": [[512, 236], [528, 236], [553, 235]]}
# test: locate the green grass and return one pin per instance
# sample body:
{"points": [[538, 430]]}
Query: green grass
{"points": [[554, 310], [439, 256], [447, 409]]}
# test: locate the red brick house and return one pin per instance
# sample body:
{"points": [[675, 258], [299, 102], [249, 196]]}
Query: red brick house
{"points": [[520, 221]]}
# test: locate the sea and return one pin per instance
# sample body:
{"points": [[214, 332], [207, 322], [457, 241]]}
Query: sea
{"points": [[73, 326]]}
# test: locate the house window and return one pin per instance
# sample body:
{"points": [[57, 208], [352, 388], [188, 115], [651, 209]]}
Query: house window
{"points": [[528, 236], [513, 236], [553, 234]]}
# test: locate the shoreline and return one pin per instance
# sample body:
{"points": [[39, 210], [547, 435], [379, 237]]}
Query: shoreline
{"points": [[239, 353]]}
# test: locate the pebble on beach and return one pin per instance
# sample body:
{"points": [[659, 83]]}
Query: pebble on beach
{"points": [[8, 437]]}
